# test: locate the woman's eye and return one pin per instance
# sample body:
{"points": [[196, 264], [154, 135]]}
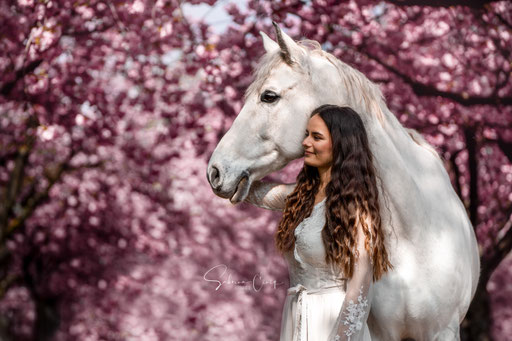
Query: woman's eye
{"points": [[269, 96]]}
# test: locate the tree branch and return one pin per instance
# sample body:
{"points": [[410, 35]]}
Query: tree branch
{"points": [[16, 177], [6, 157], [506, 148], [423, 90], [6, 89], [500, 250], [36, 200], [8, 282], [456, 172], [503, 21], [441, 3], [33, 202]]}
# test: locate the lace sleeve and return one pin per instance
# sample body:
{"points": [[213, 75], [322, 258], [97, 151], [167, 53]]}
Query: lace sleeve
{"points": [[269, 195], [350, 324]]}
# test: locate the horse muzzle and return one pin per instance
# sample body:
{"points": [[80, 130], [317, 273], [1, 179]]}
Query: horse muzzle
{"points": [[225, 185]]}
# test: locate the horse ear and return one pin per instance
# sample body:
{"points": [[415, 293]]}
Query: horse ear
{"points": [[286, 43], [268, 43]]}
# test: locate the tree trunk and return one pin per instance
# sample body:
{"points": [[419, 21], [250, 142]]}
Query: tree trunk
{"points": [[47, 320], [47, 306], [4, 329], [478, 322]]}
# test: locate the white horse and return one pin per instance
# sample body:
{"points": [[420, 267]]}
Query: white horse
{"points": [[429, 236]]}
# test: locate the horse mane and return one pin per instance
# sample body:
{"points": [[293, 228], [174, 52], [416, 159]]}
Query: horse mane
{"points": [[363, 94], [420, 140]]}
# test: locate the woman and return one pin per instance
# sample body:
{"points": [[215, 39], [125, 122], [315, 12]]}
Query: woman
{"points": [[330, 232]]}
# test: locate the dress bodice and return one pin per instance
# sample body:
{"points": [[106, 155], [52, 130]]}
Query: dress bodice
{"points": [[306, 263]]}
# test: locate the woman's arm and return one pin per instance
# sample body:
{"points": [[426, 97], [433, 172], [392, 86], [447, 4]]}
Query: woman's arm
{"points": [[269, 195], [356, 306]]}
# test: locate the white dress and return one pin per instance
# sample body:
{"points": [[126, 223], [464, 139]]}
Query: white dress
{"points": [[321, 304]]}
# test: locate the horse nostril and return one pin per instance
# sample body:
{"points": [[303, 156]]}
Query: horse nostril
{"points": [[215, 178]]}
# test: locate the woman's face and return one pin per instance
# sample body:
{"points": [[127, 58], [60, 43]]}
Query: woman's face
{"points": [[317, 143]]}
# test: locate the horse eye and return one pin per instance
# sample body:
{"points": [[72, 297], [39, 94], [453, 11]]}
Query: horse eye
{"points": [[269, 96]]}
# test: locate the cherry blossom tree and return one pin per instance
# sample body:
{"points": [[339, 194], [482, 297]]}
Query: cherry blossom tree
{"points": [[109, 111], [445, 71], [87, 96]]}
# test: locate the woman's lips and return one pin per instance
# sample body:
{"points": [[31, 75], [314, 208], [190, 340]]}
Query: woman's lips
{"points": [[308, 153]]}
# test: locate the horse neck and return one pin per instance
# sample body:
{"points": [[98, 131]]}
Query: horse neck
{"points": [[393, 144], [411, 177], [401, 165], [384, 130]]}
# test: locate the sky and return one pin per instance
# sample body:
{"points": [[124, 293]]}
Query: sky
{"points": [[215, 16]]}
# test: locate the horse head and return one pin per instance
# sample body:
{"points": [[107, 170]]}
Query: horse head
{"points": [[267, 133]]}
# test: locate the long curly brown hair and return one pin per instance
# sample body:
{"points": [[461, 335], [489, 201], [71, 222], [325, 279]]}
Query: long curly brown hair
{"points": [[351, 196]]}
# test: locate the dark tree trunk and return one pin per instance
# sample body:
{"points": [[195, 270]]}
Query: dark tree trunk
{"points": [[47, 306], [4, 329], [477, 324], [47, 319], [471, 145]]}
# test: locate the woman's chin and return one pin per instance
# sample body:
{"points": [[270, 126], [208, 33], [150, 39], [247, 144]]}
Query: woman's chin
{"points": [[309, 163]]}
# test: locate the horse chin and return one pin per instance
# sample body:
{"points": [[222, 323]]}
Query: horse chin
{"points": [[242, 190]]}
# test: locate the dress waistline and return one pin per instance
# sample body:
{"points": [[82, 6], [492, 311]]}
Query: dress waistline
{"points": [[301, 313]]}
